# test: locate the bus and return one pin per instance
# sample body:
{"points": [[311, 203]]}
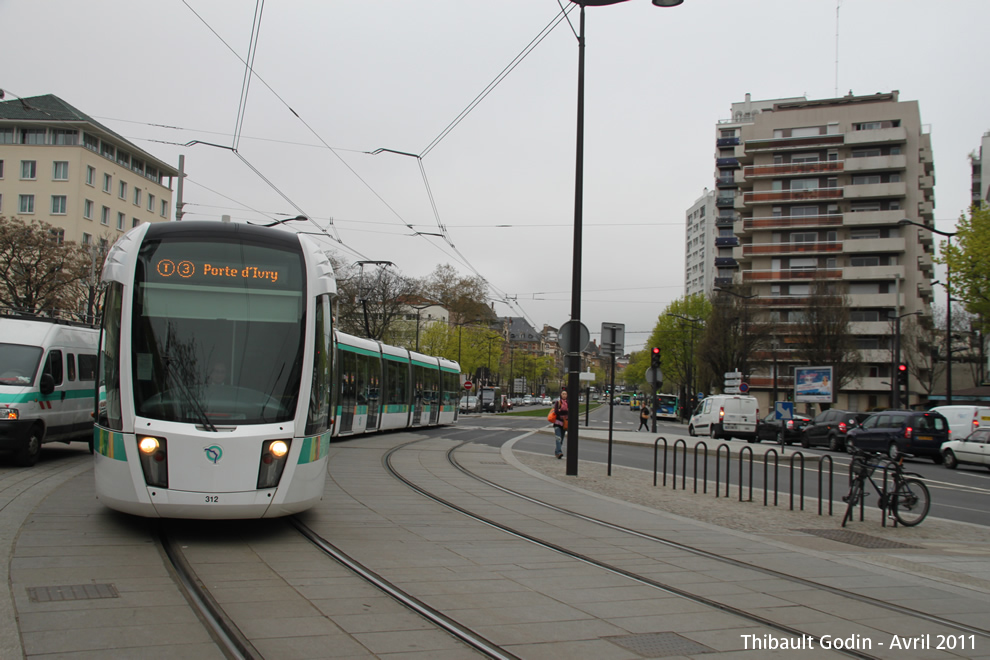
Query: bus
{"points": [[668, 407]]}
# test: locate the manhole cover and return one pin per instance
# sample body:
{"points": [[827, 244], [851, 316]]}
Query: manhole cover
{"points": [[856, 538], [72, 592], [659, 645]]}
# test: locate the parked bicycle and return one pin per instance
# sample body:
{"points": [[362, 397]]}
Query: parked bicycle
{"points": [[907, 502]]}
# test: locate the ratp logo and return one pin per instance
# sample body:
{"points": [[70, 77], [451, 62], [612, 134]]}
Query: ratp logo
{"points": [[214, 453]]}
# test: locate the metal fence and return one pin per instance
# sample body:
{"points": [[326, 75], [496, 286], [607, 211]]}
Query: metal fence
{"points": [[797, 465]]}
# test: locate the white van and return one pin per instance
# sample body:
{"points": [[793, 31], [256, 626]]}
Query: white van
{"points": [[47, 385], [963, 420], [725, 416]]}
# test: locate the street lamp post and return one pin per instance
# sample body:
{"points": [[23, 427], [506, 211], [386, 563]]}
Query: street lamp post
{"points": [[574, 350], [948, 307]]}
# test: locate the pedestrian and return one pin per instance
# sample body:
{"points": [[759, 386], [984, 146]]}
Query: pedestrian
{"points": [[560, 423], [644, 418]]}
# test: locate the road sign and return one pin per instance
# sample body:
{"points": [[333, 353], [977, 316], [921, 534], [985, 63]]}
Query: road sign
{"points": [[654, 376], [566, 333], [732, 390], [468, 384], [733, 374], [587, 375], [613, 339], [743, 388]]}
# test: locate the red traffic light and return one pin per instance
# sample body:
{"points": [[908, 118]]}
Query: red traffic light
{"points": [[902, 368], [656, 350]]}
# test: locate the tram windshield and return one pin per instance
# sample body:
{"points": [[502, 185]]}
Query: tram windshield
{"points": [[217, 332]]}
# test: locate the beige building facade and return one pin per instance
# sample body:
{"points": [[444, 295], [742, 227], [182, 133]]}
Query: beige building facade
{"points": [[62, 167], [815, 190]]}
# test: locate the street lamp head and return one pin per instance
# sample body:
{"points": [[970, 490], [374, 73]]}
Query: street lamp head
{"points": [[667, 3], [603, 3]]}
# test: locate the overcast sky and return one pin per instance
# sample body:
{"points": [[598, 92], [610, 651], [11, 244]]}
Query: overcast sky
{"points": [[394, 74]]}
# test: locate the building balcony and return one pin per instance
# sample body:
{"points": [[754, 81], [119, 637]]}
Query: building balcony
{"points": [[727, 142], [723, 183], [926, 208], [871, 328], [871, 190], [782, 301], [792, 169], [873, 245], [726, 262], [859, 300], [771, 249], [790, 222], [726, 241], [723, 281], [725, 220], [866, 384], [727, 162], [875, 136], [725, 201], [782, 196], [871, 273], [870, 163], [793, 275], [925, 290], [871, 218], [925, 264], [793, 143]]}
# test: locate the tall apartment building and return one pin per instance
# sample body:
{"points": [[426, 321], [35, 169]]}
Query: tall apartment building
{"points": [[699, 245], [815, 189], [61, 166], [981, 178]]}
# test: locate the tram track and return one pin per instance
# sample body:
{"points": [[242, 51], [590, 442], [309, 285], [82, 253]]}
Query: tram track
{"points": [[774, 625], [234, 643]]}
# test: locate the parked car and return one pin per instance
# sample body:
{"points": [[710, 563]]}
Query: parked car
{"points": [[527, 400], [781, 431], [972, 450], [469, 403], [829, 428], [899, 432]]}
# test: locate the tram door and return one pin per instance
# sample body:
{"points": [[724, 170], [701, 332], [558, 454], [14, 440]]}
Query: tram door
{"points": [[348, 390], [434, 394], [374, 393]]}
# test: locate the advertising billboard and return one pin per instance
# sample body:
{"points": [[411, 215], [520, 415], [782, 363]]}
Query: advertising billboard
{"points": [[813, 384]]}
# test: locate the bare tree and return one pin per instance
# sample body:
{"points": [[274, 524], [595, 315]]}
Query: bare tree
{"points": [[369, 298], [464, 297], [40, 273], [732, 335], [920, 339], [825, 337]]}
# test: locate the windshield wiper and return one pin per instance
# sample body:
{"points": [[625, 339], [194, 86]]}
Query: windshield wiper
{"points": [[187, 395]]}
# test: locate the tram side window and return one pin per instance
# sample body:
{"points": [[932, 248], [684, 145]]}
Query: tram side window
{"points": [[319, 395], [398, 384]]}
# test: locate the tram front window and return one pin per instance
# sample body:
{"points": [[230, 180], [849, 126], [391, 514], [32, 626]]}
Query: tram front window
{"points": [[218, 332]]}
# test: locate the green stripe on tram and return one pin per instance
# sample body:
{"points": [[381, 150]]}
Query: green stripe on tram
{"points": [[314, 448], [109, 444]]}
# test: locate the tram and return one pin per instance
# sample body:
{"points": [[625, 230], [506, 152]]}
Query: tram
{"points": [[222, 379]]}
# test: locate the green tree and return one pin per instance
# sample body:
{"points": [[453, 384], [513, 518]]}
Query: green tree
{"points": [[39, 273], [677, 332], [968, 260]]}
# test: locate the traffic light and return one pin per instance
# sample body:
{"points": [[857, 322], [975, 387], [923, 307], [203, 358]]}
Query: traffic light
{"points": [[902, 374], [655, 357]]}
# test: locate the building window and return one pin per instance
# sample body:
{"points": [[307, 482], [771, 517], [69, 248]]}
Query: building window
{"points": [[91, 142], [164, 212], [804, 237], [32, 136], [151, 201], [87, 239], [866, 179], [867, 126], [1, 203], [59, 236], [107, 150], [60, 170], [122, 190], [137, 197], [135, 222], [58, 204], [26, 204], [6, 136], [65, 136], [120, 221], [105, 216], [90, 175], [88, 209], [1, 168], [864, 261], [868, 152], [107, 183], [29, 169]]}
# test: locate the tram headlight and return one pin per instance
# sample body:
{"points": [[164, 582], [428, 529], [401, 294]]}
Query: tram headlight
{"points": [[154, 460], [274, 454]]}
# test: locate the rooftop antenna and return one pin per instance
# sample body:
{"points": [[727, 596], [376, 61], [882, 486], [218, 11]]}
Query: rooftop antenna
{"points": [[838, 3]]}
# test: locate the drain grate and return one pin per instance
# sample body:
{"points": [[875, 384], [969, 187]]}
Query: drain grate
{"points": [[72, 592], [857, 539], [659, 645]]}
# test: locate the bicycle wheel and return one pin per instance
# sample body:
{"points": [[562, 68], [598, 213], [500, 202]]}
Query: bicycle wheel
{"points": [[852, 499], [910, 502]]}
